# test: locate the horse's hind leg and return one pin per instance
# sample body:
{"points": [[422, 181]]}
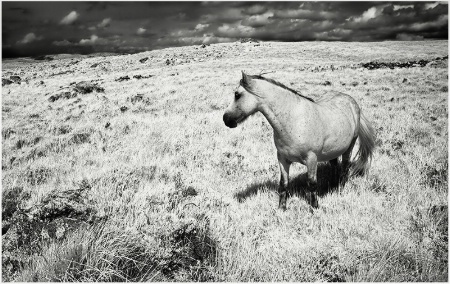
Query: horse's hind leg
{"points": [[284, 181], [346, 162], [311, 194], [334, 173]]}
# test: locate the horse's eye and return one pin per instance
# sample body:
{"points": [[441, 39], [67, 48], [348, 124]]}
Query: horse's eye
{"points": [[237, 95]]}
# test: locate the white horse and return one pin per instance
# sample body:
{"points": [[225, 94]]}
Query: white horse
{"points": [[305, 131]]}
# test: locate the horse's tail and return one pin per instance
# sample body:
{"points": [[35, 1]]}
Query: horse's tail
{"points": [[366, 137]]}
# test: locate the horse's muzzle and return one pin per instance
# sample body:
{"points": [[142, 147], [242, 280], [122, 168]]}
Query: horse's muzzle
{"points": [[231, 123]]}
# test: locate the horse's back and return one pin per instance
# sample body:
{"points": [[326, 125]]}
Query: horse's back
{"points": [[337, 99], [337, 103]]}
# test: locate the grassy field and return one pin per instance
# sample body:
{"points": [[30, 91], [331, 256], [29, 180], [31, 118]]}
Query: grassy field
{"points": [[138, 179]]}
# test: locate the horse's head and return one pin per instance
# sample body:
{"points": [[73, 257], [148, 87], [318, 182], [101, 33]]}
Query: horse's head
{"points": [[244, 104]]}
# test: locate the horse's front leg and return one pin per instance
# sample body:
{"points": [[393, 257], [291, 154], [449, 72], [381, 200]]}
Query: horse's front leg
{"points": [[311, 195], [284, 181]]}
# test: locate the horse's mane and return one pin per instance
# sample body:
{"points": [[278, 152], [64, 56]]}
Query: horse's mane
{"points": [[247, 85]]}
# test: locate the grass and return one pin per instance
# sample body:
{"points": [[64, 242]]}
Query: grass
{"points": [[141, 181]]}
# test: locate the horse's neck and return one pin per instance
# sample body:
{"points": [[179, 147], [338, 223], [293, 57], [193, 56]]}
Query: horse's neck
{"points": [[278, 109]]}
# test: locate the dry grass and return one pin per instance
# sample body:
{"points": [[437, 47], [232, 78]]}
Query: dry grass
{"points": [[143, 182]]}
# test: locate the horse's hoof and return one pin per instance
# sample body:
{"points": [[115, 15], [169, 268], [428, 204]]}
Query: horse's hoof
{"points": [[282, 207], [312, 200]]}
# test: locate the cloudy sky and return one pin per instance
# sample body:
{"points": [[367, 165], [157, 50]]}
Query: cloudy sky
{"points": [[36, 28]]}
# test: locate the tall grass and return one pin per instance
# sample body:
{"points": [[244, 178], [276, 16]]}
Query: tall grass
{"points": [[143, 182]]}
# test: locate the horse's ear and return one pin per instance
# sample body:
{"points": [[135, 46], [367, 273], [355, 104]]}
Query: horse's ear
{"points": [[244, 77]]}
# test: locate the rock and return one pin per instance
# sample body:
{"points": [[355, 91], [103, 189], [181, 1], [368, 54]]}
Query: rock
{"points": [[84, 87], [107, 125], [53, 98], [190, 191], [123, 78], [354, 84], [433, 118], [327, 83], [143, 60], [43, 57], [137, 98], [437, 64], [65, 95], [6, 82], [392, 65], [397, 144], [94, 65], [15, 79], [391, 99], [245, 40], [123, 108], [404, 80], [142, 77]]}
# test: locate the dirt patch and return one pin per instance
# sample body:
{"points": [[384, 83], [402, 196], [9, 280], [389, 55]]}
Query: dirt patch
{"points": [[26, 231]]}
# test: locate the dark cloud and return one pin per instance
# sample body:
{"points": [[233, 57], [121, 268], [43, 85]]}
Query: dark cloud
{"points": [[34, 28], [255, 9], [20, 10]]}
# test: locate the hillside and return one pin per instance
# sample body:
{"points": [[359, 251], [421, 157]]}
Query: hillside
{"points": [[120, 168]]}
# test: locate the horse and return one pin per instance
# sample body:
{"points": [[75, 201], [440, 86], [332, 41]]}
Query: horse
{"points": [[305, 130]]}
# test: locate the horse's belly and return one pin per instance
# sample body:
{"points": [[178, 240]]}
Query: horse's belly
{"points": [[330, 155], [334, 147]]}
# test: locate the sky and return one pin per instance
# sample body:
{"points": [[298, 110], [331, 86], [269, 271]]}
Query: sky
{"points": [[41, 28]]}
